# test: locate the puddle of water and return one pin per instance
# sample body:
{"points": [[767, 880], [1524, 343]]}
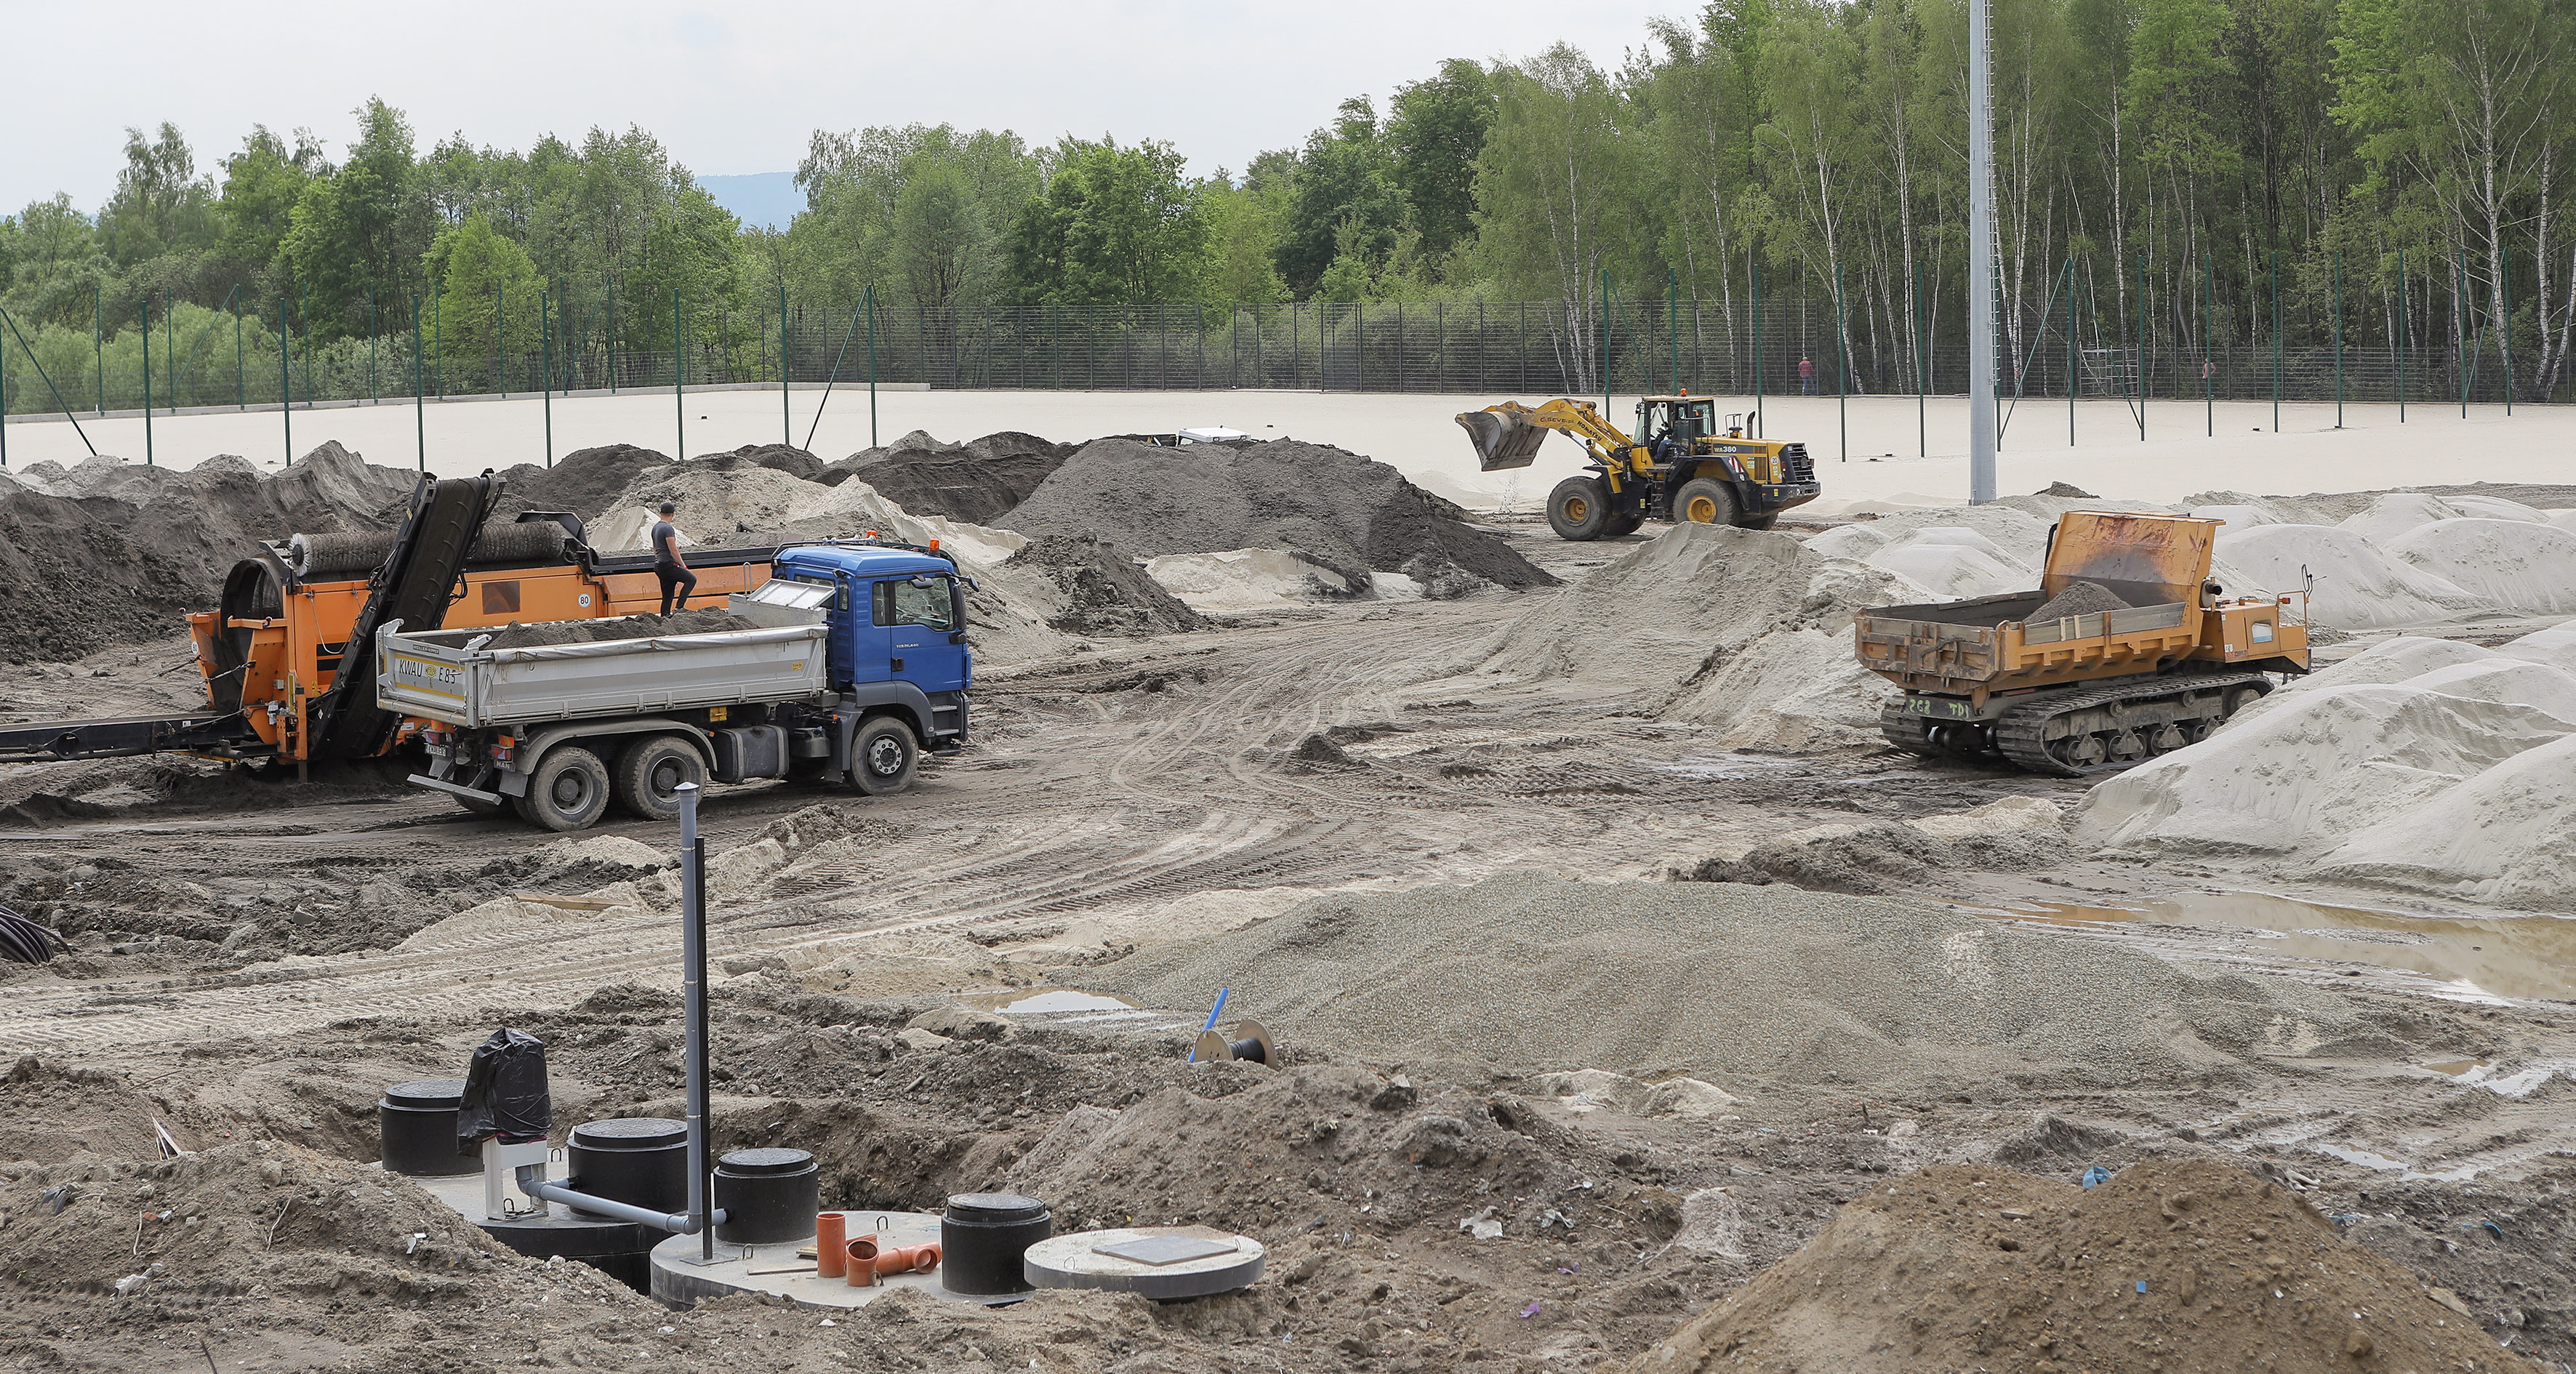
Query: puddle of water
{"points": [[2371, 1159], [2480, 958], [1022, 1001], [2457, 1067]]}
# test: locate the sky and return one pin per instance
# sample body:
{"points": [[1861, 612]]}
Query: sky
{"points": [[737, 89]]}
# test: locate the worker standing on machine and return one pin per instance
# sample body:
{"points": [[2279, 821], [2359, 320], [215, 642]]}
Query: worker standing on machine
{"points": [[668, 565]]}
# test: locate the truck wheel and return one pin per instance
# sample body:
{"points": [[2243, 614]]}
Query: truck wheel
{"points": [[568, 791], [649, 775], [1704, 501], [1579, 509], [882, 757]]}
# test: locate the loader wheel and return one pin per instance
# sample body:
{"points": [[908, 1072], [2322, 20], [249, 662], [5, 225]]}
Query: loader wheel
{"points": [[1623, 524], [882, 757], [568, 792], [649, 774], [1760, 522], [1704, 501], [1579, 509]]}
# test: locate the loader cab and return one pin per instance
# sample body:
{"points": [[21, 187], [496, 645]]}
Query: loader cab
{"points": [[1674, 424]]}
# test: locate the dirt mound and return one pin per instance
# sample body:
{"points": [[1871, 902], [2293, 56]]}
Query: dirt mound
{"points": [[1746, 630], [2065, 489], [1105, 592], [1348, 513], [584, 481], [2168, 1266], [786, 458], [2080, 598], [1527, 973], [133, 549], [978, 481], [705, 620]]}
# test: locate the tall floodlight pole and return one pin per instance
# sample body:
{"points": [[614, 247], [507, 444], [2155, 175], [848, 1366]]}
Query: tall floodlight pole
{"points": [[1981, 254]]}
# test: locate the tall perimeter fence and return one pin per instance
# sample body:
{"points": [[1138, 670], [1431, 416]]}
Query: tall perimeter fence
{"points": [[2072, 346]]}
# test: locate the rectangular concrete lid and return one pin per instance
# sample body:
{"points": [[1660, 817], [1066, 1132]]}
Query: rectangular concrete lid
{"points": [[1170, 1249]]}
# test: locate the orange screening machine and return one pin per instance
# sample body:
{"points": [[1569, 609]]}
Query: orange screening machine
{"points": [[272, 652]]}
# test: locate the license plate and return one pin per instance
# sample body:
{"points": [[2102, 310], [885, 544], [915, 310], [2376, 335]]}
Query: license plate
{"points": [[427, 675], [1940, 708]]}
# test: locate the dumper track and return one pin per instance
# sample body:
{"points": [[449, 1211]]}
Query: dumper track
{"points": [[2119, 727]]}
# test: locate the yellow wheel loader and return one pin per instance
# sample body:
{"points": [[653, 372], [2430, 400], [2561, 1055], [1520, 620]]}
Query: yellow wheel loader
{"points": [[1682, 468]]}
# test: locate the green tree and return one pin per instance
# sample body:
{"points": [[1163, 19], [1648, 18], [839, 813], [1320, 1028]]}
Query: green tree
{"points": [[471, 262], [366, 224], [1243, 240], [262, 184], [1117, 226], [1434, 130], [1344, 184], [161, 205]]}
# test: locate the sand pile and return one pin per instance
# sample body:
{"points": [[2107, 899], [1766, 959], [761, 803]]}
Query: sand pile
{"points": [[128, 550], [979, 481], [1747, 630], [2418, 763], [1351, 514], [1240, 580], [2359, 585], [1528, 973], [701, 621], [2171, 1265], [1105, 591], [2525, 565], [786, 458]]}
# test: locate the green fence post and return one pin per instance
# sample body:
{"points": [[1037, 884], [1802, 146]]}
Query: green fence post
{"points": [[371, 341], [170, 346], [285, 391], [1605, 343], [786, 422], [679, 407], [1757, 351], [304, 312], [2460, 327], [500, 347], [2338, 331], [608, 299], [2504, 322], [1673, 321], [1922, 363], [98, 342], [437, 344], [546, 367], [1842, 363], [419, 399], [868, 302], [147, 381], [2142, 348], [241, 387], [2401, 336], [2276, 341], [2208, 359]]}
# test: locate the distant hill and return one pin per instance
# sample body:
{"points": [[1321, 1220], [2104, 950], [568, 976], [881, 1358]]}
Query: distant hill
{"points": [[765, 200]]}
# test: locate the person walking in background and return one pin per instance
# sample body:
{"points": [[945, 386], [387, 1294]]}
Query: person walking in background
{"points": [[668, 565], [1807, 376]]}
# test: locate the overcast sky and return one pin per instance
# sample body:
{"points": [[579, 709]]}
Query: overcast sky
{"points": [[735, 89]]}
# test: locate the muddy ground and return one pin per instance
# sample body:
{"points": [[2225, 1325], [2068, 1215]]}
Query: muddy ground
{"points": [[255, 959]]}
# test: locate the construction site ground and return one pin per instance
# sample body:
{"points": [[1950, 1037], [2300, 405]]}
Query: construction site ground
{"points": [[1130, 793]]}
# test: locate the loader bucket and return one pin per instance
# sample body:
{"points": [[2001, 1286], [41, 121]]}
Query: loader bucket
{"points": [[1503, 438]]}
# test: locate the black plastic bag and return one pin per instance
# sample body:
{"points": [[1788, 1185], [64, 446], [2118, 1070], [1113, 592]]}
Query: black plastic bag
{"points": [[505, 1093]]}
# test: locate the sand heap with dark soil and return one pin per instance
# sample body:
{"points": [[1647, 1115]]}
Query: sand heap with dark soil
{"points": [[703, 621], [1105, 592], [2170, 1266], [1350, 514], [1529, 973], [584, 481], [786, 458], [124, 551], [978, 481]]}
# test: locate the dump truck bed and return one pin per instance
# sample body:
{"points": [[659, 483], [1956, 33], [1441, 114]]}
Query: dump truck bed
{"points": [[1987, 644], [437, 675]]}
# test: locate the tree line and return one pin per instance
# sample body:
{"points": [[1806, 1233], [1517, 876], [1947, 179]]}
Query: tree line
{"points": [[2392, 164]]}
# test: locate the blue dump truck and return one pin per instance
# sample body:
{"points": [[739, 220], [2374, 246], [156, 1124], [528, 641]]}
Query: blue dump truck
{"points": [[854, 662]]}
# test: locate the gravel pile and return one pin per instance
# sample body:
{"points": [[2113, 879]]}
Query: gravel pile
{"points": [[1351, 514], [1105, 592], [114, 553], [706, 620], [585, 481], [2080, 598], [978, 481], [1527, 973]]}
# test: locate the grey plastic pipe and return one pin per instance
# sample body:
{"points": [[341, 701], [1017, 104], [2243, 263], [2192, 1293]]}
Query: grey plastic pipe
{"points": [[533, 1182]]}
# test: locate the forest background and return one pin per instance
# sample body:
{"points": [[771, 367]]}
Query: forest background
{"points": [[2399, 168]]}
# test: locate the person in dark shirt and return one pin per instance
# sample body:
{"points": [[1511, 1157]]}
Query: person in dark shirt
{"points": [[668, 565]]}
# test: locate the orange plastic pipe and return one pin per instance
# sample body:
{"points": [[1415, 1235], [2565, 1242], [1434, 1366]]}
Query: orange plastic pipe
{"points": [[910, 1259], [831, 1247], [860, 1260]]}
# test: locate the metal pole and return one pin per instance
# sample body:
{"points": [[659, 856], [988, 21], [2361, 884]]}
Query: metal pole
{"points": [[98, 342], [2338, 331], [786, 422], [2504, 322], [2460, 328], [437, 344], [546, 361], [1982, 434], [1672, 320], [2401, 336], [2070, 352], [1922, 369], [147, 381], [693, 961], [285, 387], [1842, 363], [608, 299], [170, 342], [500, 348], [419, 403], [241, 388], [1757, 351], [868, 302], [1605, 342], [2142, 348], [304, 312], [2208, 362], [679, 408], [372, 341], [2276, 341]]}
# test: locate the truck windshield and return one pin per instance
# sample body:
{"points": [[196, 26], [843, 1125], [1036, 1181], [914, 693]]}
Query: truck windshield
{"points": [[924, 601]]}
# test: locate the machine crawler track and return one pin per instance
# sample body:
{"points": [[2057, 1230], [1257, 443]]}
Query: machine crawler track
{"points": [[2080, 734]]}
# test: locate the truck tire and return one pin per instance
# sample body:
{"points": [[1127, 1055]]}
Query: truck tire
{"points": [[883, 756], [1704, 501], [1579, 509], [569, 790], [649, 773]]}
